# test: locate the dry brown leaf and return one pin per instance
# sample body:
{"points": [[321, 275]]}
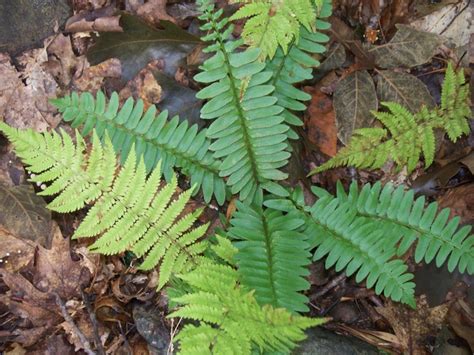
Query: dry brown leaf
{"points": [[101, 24], [461, 202], [461, 318], [321, 123], [412, 326], [144, 86], [60, 54], [15, 253], [153, 11], [24, 94], [92, 78]]}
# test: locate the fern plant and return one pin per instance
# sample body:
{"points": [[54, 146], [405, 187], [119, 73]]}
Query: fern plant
{"points": [[365, 233], [274, 23], [156, 138], [128, 212], [407, 136], [273, 256], [295, 66], [229, 319], [247, 130]]}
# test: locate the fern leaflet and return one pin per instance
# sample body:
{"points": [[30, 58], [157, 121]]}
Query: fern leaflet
{"points": [[407, 135], [272, 256], [230, 321], [128, 212], [155, 137], [247, 129], [365, 233]]}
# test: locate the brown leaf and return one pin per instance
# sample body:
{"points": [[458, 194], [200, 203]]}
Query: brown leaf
{"points": [[60, 52], [153, 11], [91, 78], [101, 24], [25, 214], [354, 98], [412, 326], [15, 253], [24, 94], [321, 123], [461, 319], [461, 202]]}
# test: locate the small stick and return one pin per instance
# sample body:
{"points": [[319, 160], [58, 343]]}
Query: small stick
{"points": [[330, 285], [76, 330], [95, 327]]}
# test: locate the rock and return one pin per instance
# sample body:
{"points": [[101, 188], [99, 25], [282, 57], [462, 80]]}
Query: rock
{"points": [[323, 342], [25, 23]]}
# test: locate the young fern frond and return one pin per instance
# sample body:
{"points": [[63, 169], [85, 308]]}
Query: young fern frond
{"points": [[247, 130], [230, 321], [272, 257], [271, 24], [129, 210], [365, 234], [155, 138], [296, 66], [407, 136]]}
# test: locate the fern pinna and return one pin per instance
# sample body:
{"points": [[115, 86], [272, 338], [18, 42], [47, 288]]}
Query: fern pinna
{"points": [[407, 135], [129, 210], [273, 255], [365, 232], [156, 138], [296, 65], [248, 130], [272, 23], [229, 319]]}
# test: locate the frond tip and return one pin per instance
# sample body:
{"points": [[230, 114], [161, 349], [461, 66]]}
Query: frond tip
{"points": [[230, 321], [129, 210]]}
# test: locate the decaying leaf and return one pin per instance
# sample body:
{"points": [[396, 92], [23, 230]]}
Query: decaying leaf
{"points": [[408, 48], [412, 326], [321, 123], [354, 98], [24, 95], [15, 252], [461, 202], [461, 319], [404, 89], [335, 58], [24, 214], [139, 44], [92, 78], [154, 11]]}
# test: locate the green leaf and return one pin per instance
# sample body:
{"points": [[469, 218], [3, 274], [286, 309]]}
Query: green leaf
{"points": [[140, 43]]}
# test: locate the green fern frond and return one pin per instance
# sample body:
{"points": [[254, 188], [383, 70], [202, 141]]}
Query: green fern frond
{"points": [[296, 66], [366, 232], [272, 257], [271, 24], [247, 130], [408, 136], [230, 321], [155, 137], [129, 210]]}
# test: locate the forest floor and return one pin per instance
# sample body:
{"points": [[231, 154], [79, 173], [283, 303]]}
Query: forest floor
{"points": [[57, 297]]}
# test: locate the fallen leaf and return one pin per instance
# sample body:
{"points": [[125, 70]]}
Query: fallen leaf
{"points": [[404, 89], [321, 123], [461, 319], [154, 11], [460, 200], [408, 48], [92, 78], [15, 253], [151, 326], [139, 44], [24, 94], [24, 213], [60, 51], [412, 326], [354, 98], [335, 58], [101, 24]]}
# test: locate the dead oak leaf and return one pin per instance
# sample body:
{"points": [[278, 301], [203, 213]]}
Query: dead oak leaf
{"points": [[412, 326]]}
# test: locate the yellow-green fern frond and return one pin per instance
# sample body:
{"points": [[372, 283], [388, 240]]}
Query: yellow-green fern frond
{"points": [[130, 211], [408, 136], [230, 321], [273, 23]]}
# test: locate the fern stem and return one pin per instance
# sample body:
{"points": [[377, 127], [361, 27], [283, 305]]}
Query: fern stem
{"points": [[269, 249]]}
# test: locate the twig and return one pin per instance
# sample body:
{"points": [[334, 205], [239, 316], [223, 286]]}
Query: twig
{"points": [[330, 285], [75, 329], [95, 327]]}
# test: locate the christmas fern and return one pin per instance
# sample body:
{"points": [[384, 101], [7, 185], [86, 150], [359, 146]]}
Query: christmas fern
{"points": [[156, 138], [247, 130], [366, 232], [273, 256], [296, 66], [129, 210], [274, 23], [228, 319], [407, 135]]}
